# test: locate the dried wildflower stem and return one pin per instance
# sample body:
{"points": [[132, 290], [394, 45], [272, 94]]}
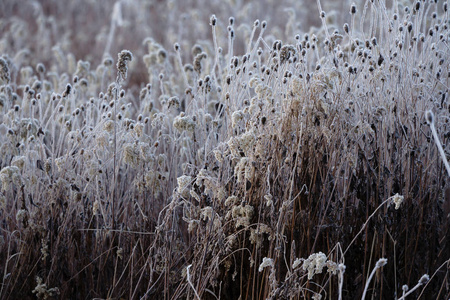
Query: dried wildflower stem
{"points": [[447, 262], [322, 18], [352, 24], [424, 279], [363, 16], [230, 43], [430, 120], [180, 63], [365, 223], [380, 263], [188, 278], [115, 154], [5, 272], [116, 19], [122, 71], [341, 279], [255, 26], [260, 39], [216, 48]]}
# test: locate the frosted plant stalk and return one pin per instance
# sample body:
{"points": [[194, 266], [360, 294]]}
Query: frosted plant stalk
{"points": [[424, 279], [380, 263], [429, 116]]}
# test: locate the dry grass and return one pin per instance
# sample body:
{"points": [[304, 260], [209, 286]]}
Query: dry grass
{"points": [[237, 160]]}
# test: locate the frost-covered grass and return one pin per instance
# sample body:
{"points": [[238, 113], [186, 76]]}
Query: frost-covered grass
{"points": [[228, 150]]}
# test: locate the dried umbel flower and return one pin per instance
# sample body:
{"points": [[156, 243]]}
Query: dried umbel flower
{"points": [[10, 175], [44, 249], [18, 161], [314, 264], [174, 101], [21, 216], [381, 262], [42, 291], [236, 117], [122, 64], [242, 215], [119, 253], [4, 71], [82, 68], [397, 200], [286, 52], [267, 262], [184, 182], [183, 122]]}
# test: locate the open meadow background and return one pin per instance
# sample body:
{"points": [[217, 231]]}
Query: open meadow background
{"points": [[224, 149]]}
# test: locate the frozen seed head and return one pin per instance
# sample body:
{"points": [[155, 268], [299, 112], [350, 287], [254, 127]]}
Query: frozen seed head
{"points": [[231, 30], [21, 215], [381, 262], [184, 182], [107, 60], [67, 90], [4, 71], [397, 200], [417, 6], [353, 9], [424, 279], [198, 62], [213, 20], [122, 64], [316, 296], [314, 264], [40, 68], [184, 123], [174, 101], [429, 116], [374, 41]]}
